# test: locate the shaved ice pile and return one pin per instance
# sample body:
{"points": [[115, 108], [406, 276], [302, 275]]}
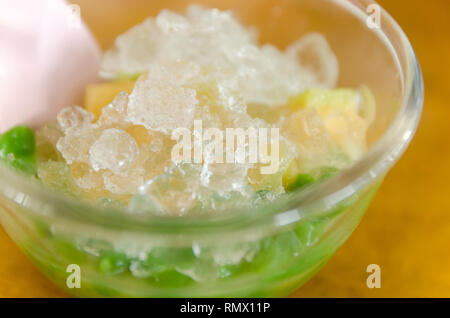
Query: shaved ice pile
{"points": [[204, 66]]}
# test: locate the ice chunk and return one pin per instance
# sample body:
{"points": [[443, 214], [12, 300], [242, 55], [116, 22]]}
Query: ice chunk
{"points": [[114, 150], [75, 145], [224, 202], [161, 106], [169, 21], [155, 156], [176, 72], [79, 134], [85, 177], [175, 191], [225, 177], [124, 184], [135, 51], [73, 117], [114, 114], [265, 75]]}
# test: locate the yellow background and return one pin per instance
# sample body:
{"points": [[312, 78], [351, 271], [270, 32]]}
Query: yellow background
{"points": [[407, 228]]}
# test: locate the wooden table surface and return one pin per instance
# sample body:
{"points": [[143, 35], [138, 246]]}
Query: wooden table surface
{"points": [[407, 228]]}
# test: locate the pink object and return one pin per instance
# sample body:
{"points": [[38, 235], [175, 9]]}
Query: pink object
{"points": [[47, 56]]}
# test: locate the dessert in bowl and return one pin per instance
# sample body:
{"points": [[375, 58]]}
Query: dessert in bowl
{"points": [[128, 186]]}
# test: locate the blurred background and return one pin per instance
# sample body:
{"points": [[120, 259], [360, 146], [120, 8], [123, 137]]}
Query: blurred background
{"points": [[406, 230]]}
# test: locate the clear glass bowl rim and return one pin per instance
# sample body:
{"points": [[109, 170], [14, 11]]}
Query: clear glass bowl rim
{"points": [[373, 166]]}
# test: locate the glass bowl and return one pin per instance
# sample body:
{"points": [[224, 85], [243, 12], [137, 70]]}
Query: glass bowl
{"points": [[264, 252]]}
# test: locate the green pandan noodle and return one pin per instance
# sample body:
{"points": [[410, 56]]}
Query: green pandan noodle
{"points": [[18, 149]]}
